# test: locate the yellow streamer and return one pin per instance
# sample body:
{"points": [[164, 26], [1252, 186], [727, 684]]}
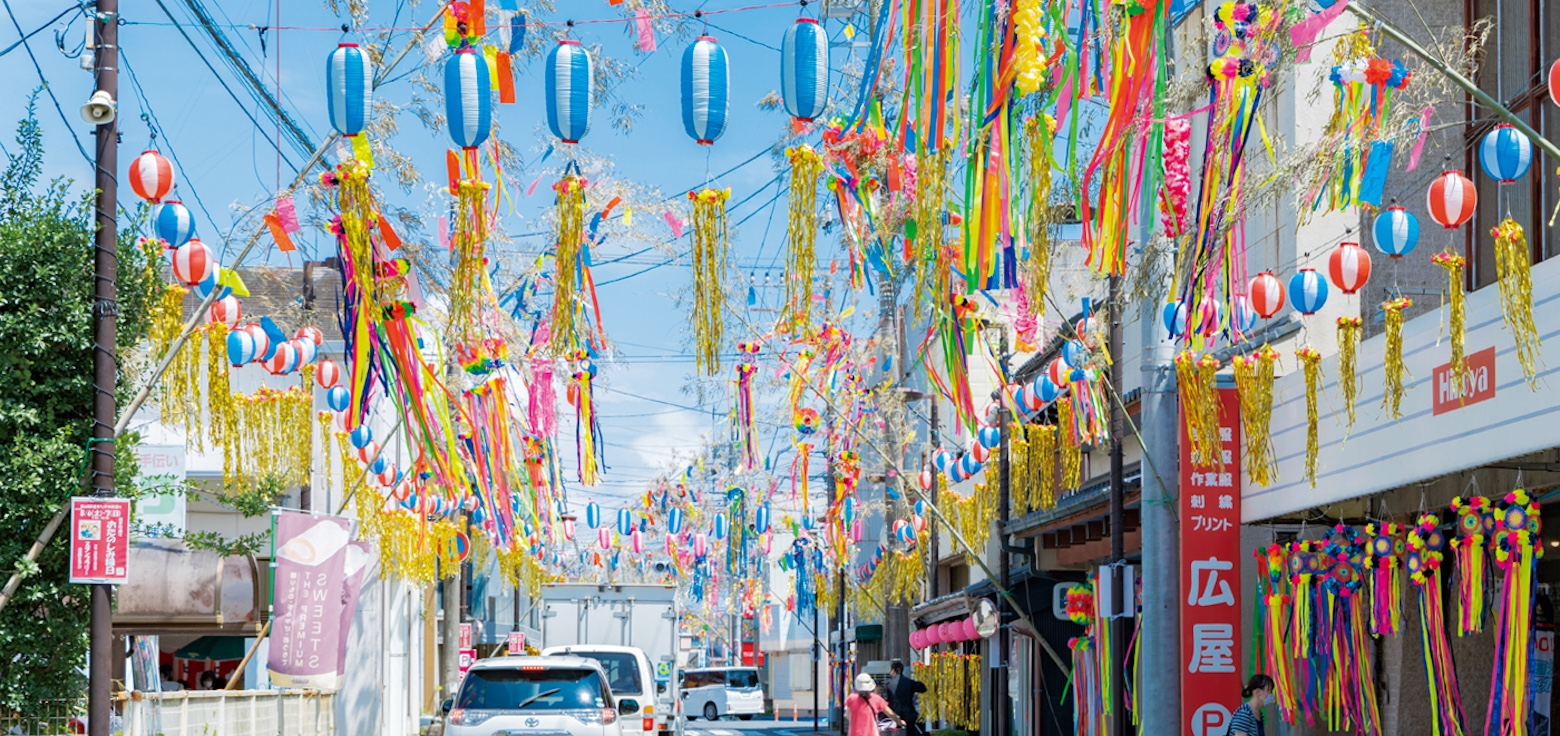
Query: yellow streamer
{"points": [[1453, 264], [709, 263], [1513, 264], [1348, 351], [1254, 381], [1392, 357], [801, 232], [564, 335], [1200, 403], [1311, 362]]}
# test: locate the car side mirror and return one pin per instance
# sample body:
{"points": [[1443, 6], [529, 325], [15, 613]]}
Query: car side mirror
{"points": [[660, 688], [447, 705], [628, 706]]}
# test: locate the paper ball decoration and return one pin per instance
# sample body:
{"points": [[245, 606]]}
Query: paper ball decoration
{"points": [[1047, 390], [1451, 199], [705, 88], [1349, 267], [988, 437], [338, 398], [241, 348], [225, 311], [283, 360], [173, 223], [328, 374], [1267, 294], [361, 436], [1505, 153], [1396, 231], [1308, 291], [151, 176]]}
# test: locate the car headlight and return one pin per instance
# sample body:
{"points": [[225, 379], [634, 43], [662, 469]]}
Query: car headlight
{"points": [[463, 717]]}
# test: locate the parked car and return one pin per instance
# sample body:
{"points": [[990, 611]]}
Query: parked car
{"points": [[629, 675], [721, 691], [545, 696]]}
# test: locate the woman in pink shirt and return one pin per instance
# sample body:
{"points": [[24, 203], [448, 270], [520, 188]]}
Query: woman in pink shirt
{"points": [[862, 707]]}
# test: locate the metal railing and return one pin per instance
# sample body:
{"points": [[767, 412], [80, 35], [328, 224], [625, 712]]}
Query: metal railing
{"points": [[45, 718], [230, 713]]}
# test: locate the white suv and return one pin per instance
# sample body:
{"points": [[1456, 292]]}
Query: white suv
{"points": [[536, 696], [631, 675]]}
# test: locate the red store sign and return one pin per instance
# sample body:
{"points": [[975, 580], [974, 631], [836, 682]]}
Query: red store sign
{"points": [[1478, 383], [99, 540], [1210, 579]]}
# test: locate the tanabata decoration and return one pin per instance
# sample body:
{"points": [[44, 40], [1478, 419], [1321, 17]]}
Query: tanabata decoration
{"points": [[1356, 149], [571, 84], [1425, 545], [1254, 375], [1348, 352], [1453, 264], [567, 310], [1396, 231], [151, 176], [1071, 451], [705, 81], [468, 108], [1517, 549], [1276, 608], [349, 89], [1505, 154], [1385, 563], [1392, 355], [801, 231], [173, 223], [1514, 273], [1476, 523], [1039, 132], [747, 422], [1311, 365], [709, 265], [1200, 403], [804, 70]]}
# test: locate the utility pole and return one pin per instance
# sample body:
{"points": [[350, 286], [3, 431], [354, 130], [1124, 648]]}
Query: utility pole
{"points": [[931, 583], [1001, 702], [1119, 592], [817, 652], [105, 360]]}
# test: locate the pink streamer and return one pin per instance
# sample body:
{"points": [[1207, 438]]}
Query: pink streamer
{"points": [[288, 214], [646, 31], [543, 399], [444, 233], [532, 189], [1304, 33], [675, 224], [1419, 143]]}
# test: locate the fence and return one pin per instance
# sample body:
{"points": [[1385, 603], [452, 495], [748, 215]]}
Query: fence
{"points": [[45, 718], [230, 713]]}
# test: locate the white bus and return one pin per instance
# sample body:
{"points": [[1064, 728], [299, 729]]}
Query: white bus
{"points": [[719, 691]]}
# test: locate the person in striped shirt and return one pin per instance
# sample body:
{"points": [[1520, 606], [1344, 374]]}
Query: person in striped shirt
{"points": [[1258, 693]]}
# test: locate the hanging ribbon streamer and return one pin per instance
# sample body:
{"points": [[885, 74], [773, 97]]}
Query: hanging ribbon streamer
{"points": [[1514, 269], [1475, 518], [1385, 562], [566, 307], [709, 263], [1424, 569], [801, 231], [1254, 375], [1200, 403], [1392, 355], [469, 285], [1274, 622], [1454, 264], [1311, 362], [747, 422], [1517, 549], [1348, 351]]}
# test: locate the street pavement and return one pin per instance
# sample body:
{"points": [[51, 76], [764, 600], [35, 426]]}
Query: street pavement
{"points": [[735, 727]]}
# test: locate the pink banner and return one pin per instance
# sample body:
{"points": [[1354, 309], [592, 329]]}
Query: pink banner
{"points": [[646, 31], [359, 555], [307, 600], [1303, 34]]}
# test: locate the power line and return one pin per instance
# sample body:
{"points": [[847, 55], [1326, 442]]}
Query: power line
{"points": [[155, 126], [35, 32], [45, 80]]}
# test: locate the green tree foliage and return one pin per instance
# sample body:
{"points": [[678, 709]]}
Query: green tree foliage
{"points": [[46, 283]]}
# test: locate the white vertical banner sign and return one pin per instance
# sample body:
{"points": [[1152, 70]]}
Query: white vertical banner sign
{"points": [[162, 467]]}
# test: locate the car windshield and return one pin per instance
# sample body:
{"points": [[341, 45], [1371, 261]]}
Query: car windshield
{"points": [[622, 670], [548, 688], [742, 679]]}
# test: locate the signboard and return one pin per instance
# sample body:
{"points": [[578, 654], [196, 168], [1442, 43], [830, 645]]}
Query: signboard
{"points": [[468, 657], [161, 466], [663, 670], [99, 540], [308, 600], [748, 655], [465, 635], [1478, 383], [517, 642], [1210, 579]]}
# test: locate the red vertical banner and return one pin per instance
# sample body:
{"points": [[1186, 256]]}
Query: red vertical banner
{"points": [[99, 540], [1210, 579]]}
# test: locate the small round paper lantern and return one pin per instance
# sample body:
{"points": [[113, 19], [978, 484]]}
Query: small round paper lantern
{"points": [[308, 352], [283, 360], [173, 223], [988, 437], [263, 346], [848, 509], [946, 633], [926, 480], [468, 104], [931, 635], [636, 541], [240, 347], [193, 262], [210, 284], [1396, 231], [980, 452], [604, 538], [378, 465], [1554, 82], [1451, 199], [311, 333], [225, 311], [700, 545], [569, 89], [804, 70], [349, 88], [969, 466], [1058, 371], [151, 176], [1073, 352], [1349, 267], [1505, 153], [970, 632], [592, 515], [368, 452], [917, 640], [720, 526], [361, 436], [705, 87], [858, 530], [1307, 291], [1243, 319], [568, 528], [1210, 314], [1174, 317], [1047, 389], [328, 374], [674, 521], [1267, 294], [389, 476], [338, 398], [942, 459]]}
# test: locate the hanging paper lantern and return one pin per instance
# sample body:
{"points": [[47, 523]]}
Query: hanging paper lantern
{"points": [[604, 538], [338, 398], [1033, 401], [988, 437], [311, 333], [700, 545], [971, 633], [1396, 231], [1505, 153], [804, 70], [568, 528], [941, 460], [193, 262], [1210, 314], [173, 223], [1243, 319], [151, 176], [969, 466], [592, 515], [674, 521], [1349, 267], [468, 105], [1058, 371], [857, 532], [349, 88], [283, 360], [1307, 291], [705, 85], [926, 480], [979, 452], [240, 347], [569, 90], [1073, 353], [328, 374], [1554, 82], [636, 541], [1174, 317], [361, 436], [226, 311], [1452, 199], [211, 283], [720, 527], [308, 352], [1048, 390], [368, 452], [1267, 294], [761, 518]]}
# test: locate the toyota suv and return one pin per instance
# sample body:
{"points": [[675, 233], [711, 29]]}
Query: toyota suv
{"points": [[536, 696]]}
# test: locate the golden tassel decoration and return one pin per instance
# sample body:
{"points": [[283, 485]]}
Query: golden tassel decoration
{"points": [[1200, 403], [709, 264], [323, 418], [1514, 269], [179, 391], [470, 239], [1392, 355], [1022, 470], [1348, 351], [931, 174], [1043, 443], [1072, 454], [1254, 382], [1453, 264], [219, 394], [801, 231], [1037, 134], [1311, 361], [570, 236]]}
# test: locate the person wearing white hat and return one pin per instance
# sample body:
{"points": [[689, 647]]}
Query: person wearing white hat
{"points": [[862, 707]]}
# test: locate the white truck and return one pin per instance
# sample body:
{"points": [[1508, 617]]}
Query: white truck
{"points": [[644, 617]]}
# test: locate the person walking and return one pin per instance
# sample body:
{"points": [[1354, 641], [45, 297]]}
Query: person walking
{"points": [[863, 706], [902, 690], [1258, 693]]}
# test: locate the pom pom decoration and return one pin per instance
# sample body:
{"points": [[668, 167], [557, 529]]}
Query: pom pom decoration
{"points": [[468, 103], [349, 88], [1505, 154], [173, 223], [1397, 232], [706, 81], [151, 176], [1451, 199], [1307, 291], [570, 86], [193, 263], [804, 70], [1349, 267]]}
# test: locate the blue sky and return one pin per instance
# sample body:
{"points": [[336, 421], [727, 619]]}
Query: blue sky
{"points": [[226, 161]]}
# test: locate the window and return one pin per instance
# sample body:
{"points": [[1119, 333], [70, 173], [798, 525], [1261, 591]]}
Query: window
{"points": [[742, 679], [622, 670], [526, 689]]}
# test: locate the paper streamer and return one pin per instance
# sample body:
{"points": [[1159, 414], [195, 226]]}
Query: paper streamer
{"points": [[675, 224], [1303, 34], [278, 233], [1419, 143], [646, 31], [288, 214]]}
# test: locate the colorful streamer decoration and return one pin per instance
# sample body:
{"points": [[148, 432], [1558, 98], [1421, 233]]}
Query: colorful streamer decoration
{"points": [[801, 232], [1517, 549], [705, 86], [1348, 352], [1453, 264], [349, 89], [1475, 523], [709, 264], [1254, 375], [1385, 563], [1392, 355], [804, 70], [1311, 362], [1514, 270], [587, 425], [570, 85], [1425, 543], [747, 421]]}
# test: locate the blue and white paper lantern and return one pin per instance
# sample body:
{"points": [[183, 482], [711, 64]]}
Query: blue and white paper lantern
{"points": [[706, 82], [1307, 291], [592, 515], [349, 88], [720, 526], [338, 398], [468, 102], [1174, 317], [1243, 318], [761, 519], [988, 437], [174, 223], [569, 88], [1047, 389], [625, 522], [241, 347], [361, 436], [1505, 154], [674, 521], [804, 70], [1396, 231]]}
